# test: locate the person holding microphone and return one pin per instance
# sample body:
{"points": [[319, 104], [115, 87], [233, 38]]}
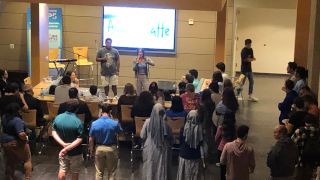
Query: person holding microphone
{"points": [[141, 69]]}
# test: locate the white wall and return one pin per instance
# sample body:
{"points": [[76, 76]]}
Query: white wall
{"points": [[272, 32]]}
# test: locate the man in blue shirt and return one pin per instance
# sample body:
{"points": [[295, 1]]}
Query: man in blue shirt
{"points": [[103, 132], [67, 130]]}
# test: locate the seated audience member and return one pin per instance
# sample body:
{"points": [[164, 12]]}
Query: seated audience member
{"points": [[13, 96], [310, 105], [189, 78], [291, 69], [62, 91], [306, 165], [301, 75], [153, 88], [3, 81], [296, 118], [225, 133], [103, 133], [14, 141], [143, 105], [52, 89], [128, 98], [217, 76], [74, 79], [229, 102], [283, 155], [34, 103], [222, 67], [238, 156], [67, 130], [190, 142], [194, 73], [306, 90], [182, 85], [227, 84], [190, 99], [216, 96], [93, 97], [82, 109], [176, 109], [285, 106]]}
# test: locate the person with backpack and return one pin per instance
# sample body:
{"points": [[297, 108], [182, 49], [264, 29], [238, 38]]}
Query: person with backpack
{"points": [[308, 142]]}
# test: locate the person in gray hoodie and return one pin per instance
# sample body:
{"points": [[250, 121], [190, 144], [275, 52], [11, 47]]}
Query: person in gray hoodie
{"points": [[238, 156], [283, 155]]}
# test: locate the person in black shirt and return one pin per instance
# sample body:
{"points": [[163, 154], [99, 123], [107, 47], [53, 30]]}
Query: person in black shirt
{"points": [[246, 58], [296, 118], [12, 96]]}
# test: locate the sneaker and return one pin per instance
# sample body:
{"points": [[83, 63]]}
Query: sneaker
{"points": [[240, 98], [106, 98], [116, 97], [218, 164], [252, 98]]}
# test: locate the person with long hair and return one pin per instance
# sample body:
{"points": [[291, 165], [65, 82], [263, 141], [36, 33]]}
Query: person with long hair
{"points": [[176, 109], [229, 101], [225, 133], [157, 151], [217, 76], [74, 79], [141, 70], [15, 141], [216, 96], [190, 99], [191, 139]]}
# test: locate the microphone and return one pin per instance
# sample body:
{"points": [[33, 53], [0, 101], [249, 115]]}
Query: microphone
{"points": [[95, 41]]}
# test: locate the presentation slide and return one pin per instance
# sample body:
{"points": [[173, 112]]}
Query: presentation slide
{"points": [[131, 28]]}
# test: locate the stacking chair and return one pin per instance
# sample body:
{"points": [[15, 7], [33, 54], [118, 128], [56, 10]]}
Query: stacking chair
{"points": [[94, 109], [139, 121], [54, 54], [238, 87], [81, 54], [176, 123], [126, 120]]}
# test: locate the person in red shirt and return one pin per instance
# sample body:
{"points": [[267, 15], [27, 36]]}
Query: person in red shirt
{"points": [[190, 99]]}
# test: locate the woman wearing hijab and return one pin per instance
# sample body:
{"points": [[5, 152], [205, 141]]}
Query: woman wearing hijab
{"points": [[190, 142], [157, 136]]}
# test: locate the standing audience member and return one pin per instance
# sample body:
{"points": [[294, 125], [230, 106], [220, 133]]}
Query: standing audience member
{"points": [[190, 99], [74, 79], [306, 165], [229, 102], [310, 105], [190, 142], [296, 119], [103, 133], [14, 141], [291, 69], [217, 76], [238, 156], [194, 73], [93, 97], [301, 75], [225, 133], [13, 96], [67, 130], [176, 109], [285, 106], [216, 96], [3, 81], [283, 155], [222, 67], [110, 67], [157, 152], [62, 91], [205, 112], [82, 109], [141, 71]]}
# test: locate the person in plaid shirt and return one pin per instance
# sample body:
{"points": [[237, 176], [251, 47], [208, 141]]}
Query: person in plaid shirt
{"points": [[305, 171]]}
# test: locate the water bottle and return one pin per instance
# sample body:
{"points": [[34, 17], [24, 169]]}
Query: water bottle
{"points": [[41, 93]]}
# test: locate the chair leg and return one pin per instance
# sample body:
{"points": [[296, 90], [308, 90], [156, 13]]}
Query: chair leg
{"points": [[242, 99], [131, 153]]}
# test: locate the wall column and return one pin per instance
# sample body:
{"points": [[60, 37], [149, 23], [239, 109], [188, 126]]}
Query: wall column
{"points": [[39, 42], [314, 46], [221, 35]]}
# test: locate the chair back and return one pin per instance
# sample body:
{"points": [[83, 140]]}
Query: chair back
{"points": [[81, 117], [239, 80], [52, 109], [94, 109], [30, 118], [53, 53], [139, 121], [176, 123], [27, 80], [82, 51], [126, 113]]}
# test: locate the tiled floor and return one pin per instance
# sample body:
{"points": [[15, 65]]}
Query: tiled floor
{"points": [[260, 116]]}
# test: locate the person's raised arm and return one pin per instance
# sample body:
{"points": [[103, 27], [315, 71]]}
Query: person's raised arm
{"points": [[99, 57], [150, 62]]}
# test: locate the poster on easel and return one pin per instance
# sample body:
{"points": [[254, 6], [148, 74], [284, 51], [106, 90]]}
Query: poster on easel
{"points": [[55, 33]]}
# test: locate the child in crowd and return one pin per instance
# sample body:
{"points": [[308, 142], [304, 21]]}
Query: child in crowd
{"points": [[93, 97]]}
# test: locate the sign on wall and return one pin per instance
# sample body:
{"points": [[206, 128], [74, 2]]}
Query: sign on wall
{"points": [[55, 32]]}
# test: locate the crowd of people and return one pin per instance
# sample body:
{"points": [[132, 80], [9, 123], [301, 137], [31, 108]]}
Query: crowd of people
{"points": [[210, 125]]}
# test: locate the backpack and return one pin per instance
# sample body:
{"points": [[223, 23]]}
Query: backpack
{"points": [[311, 150]]}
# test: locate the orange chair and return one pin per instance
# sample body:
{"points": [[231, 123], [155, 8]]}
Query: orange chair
{"points": [[81, 54]]}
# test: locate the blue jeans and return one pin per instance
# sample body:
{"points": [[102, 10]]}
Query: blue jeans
{"points": [[250, 77]]}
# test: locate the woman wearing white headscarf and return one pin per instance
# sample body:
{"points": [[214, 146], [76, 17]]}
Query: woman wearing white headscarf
{"points": [[157, 136], [190, 142]]}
